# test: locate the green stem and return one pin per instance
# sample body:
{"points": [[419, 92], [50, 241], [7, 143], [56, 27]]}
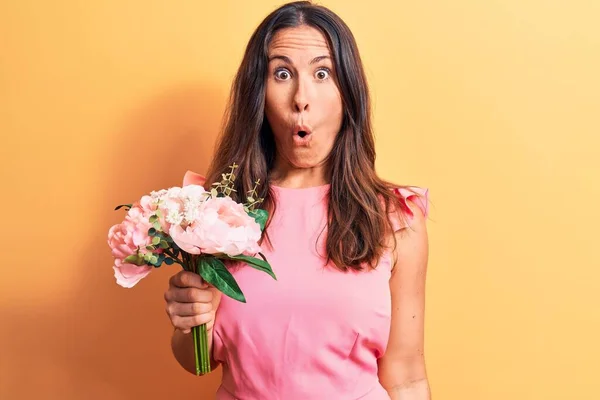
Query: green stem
{"points": [[195, 334], [175, 259], [200, 339], [203, 348], [188, 265], [186, 262]]}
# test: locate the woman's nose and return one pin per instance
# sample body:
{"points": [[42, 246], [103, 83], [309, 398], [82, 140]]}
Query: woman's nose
{"points": [[301, 97]]}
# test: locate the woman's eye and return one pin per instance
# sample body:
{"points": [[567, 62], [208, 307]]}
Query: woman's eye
{"points": [[282, 75], [322, 74]]}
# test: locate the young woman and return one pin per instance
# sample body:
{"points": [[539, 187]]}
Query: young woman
{"points": [[344, 319]]}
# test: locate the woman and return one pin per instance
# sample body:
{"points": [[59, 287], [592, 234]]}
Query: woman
{"points": [[344, 320]]}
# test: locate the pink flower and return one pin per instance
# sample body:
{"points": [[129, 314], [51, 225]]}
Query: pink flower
{"points": [[179, 206], [128, 275], [192, 178], [124, 240], [147, 205], [137, 224], [221, 226]]}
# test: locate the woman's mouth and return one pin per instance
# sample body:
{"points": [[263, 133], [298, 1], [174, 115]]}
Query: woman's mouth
{"points": [[302, 135], [302, 138]]}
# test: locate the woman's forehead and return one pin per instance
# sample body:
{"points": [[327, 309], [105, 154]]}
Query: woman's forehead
{"points": [[301, 38]]}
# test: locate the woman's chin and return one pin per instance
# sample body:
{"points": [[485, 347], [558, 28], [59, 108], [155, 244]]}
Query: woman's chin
{"points": [[303, 158], [305, 162]]}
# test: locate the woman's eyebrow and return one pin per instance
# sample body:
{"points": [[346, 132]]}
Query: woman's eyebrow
{"points": [[282, 58], [289, 61], [320, 58]]}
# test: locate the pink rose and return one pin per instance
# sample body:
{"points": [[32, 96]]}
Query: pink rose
{"points": [[128, 275], [221, 226], [147, 205], [139, 224], [124, 240]]}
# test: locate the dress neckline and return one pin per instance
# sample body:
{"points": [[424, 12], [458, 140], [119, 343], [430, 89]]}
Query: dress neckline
{"points": [[308, 188]]}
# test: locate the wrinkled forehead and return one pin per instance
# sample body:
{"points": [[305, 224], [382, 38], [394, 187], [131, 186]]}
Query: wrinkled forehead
{"points": [[298, 39]]}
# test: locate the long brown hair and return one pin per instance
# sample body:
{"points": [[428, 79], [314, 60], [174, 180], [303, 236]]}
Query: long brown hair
{"points": [[358, 224]]}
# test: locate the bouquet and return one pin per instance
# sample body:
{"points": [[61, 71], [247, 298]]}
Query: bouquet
{"points": [[197, 229]]}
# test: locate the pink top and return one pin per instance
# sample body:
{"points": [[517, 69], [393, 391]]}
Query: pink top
{"points": [[315, 332]]}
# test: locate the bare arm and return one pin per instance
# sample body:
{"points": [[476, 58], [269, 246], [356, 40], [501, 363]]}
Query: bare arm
{"points": [[402, 369]]}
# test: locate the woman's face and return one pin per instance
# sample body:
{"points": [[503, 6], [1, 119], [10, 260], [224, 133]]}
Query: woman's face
{"points": [[303, 102]]}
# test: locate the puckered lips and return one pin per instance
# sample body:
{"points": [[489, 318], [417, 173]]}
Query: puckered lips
{"points": [[302, 134]]}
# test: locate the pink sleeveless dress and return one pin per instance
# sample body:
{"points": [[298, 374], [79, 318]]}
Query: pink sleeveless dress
{"points": [[314, 333]]}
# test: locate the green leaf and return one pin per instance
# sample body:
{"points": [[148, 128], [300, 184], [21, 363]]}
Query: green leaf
{"points": [[213, 192], [214, 272], [159, 261], [164, 236], [257, 263], [151, 248], [260, 216], [155, 240], [169, 261], [135, 259], [124, 205], [153, 219], [150, 258], [158, 213], [152, 232], [164, 244], [156, 225]]}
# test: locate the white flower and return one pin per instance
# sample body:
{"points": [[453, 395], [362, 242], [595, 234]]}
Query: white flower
{"points": [[174, 192], [174, 217], [172, 210], [193, 192], [180, 204], [157, 195], [190, 208]]}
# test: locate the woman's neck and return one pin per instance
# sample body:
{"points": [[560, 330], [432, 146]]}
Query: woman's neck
{"points": [[296, 178], [298, 181]]}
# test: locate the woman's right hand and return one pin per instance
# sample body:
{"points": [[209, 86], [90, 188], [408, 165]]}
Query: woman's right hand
{"points": [[191, 301]]}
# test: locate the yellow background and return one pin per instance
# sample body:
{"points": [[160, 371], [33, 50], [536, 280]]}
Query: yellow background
{"points": [[494, 105]]}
